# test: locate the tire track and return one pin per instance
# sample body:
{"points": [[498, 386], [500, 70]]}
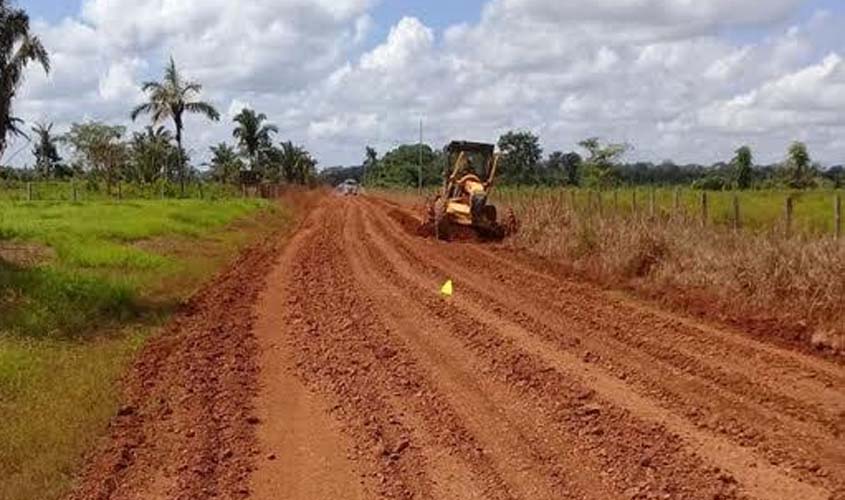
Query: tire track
{"points": [[504, 426], [414, 256]]}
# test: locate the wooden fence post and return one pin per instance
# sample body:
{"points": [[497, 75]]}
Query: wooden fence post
{"points": [[28, 191], [788, 215], [704, 208], [676, 203], [736, 220], [634, 202], [652, 209], [837, 216]]}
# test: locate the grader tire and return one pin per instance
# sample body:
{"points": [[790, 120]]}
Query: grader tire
{"points": [[442, 229]]}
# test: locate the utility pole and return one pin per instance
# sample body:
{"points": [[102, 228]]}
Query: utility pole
{"points": [[419, 150]]}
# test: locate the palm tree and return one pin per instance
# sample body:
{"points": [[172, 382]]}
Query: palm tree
{"points": [[18, 47], [225, 163], [151, 152], [171, 98], [297, 165], [252, 134], [46, 153]]}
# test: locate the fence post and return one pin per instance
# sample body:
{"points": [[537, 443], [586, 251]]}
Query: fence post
{"points": [[572, 200], [837, 216], [243, 190], [704, 208], [736, 220], [634, 202], [652, 209], [788, 214], [28, 191], [676, 203]]}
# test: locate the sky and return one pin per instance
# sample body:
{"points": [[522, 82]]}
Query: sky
{"points": [[688, 80]]}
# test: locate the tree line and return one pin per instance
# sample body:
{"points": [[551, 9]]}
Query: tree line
{"points": [[105, 154], [597, 165]]}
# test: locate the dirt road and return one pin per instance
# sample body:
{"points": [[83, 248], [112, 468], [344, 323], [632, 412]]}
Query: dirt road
{"points": [[522, 385]]}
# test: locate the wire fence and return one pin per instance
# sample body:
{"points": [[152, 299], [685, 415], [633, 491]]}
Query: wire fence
{"points": [[82, 191], [810, 213]]}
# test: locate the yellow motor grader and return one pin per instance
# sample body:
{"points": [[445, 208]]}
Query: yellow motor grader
{"points": [[463, 200]]}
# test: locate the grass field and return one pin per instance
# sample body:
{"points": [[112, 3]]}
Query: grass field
{"points": [[84, 191], [760, 211], [81, 286]]}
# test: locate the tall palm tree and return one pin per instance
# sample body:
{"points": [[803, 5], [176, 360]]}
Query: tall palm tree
{"points": [[171, 99], [253, 134], [18, 48]]}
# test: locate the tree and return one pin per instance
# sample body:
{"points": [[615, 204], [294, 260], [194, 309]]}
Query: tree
{"points": [[521, 156], [743, 167], [370, 163], [798, 170], [296, 164], [98, 150], [563, 169], [18, 48], [226, 165], [171, 99], [836, 175], [253, 135], [47, 160], [599, 167], [401, 167], [152, 155]]}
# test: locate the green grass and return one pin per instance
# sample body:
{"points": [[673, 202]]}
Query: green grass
{"points": [[102, 277], [64, 191], [760, 211], [56, 399], [96, 267]]}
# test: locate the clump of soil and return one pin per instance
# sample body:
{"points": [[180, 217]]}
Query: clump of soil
{"points": [[25, 254]]}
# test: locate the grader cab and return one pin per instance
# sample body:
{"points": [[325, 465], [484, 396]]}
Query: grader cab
{"points": [[463, 202]]}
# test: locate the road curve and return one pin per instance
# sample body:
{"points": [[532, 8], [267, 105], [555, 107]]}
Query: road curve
{"points": [[523, 384]]}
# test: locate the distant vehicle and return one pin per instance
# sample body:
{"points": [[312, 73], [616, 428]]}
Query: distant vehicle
{"points": [[349, 187]]}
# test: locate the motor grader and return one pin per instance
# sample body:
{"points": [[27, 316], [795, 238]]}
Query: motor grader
{"points": [[463, 201]]}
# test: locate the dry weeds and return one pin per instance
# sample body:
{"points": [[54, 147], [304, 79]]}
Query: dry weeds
{"points": [[797, 284]]}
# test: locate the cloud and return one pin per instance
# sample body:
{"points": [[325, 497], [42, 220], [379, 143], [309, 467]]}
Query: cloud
{"points": [[677, 78]]}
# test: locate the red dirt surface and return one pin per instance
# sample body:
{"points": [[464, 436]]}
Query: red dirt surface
{"points": [[334, 369]]}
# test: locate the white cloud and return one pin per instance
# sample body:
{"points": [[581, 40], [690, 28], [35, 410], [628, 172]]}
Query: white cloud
{"points": [[666, 75]]}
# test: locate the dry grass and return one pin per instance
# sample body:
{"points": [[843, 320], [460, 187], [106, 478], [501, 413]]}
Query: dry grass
{"points": [[798, 281]]}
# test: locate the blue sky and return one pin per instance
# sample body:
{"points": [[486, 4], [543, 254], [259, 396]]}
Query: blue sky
{"points": [[435, 13]]}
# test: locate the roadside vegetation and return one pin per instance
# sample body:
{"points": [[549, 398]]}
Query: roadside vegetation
{"points": [[82, 285]]}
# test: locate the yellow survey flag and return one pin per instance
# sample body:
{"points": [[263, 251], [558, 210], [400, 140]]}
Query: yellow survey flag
{"points": [[447, 289]]}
